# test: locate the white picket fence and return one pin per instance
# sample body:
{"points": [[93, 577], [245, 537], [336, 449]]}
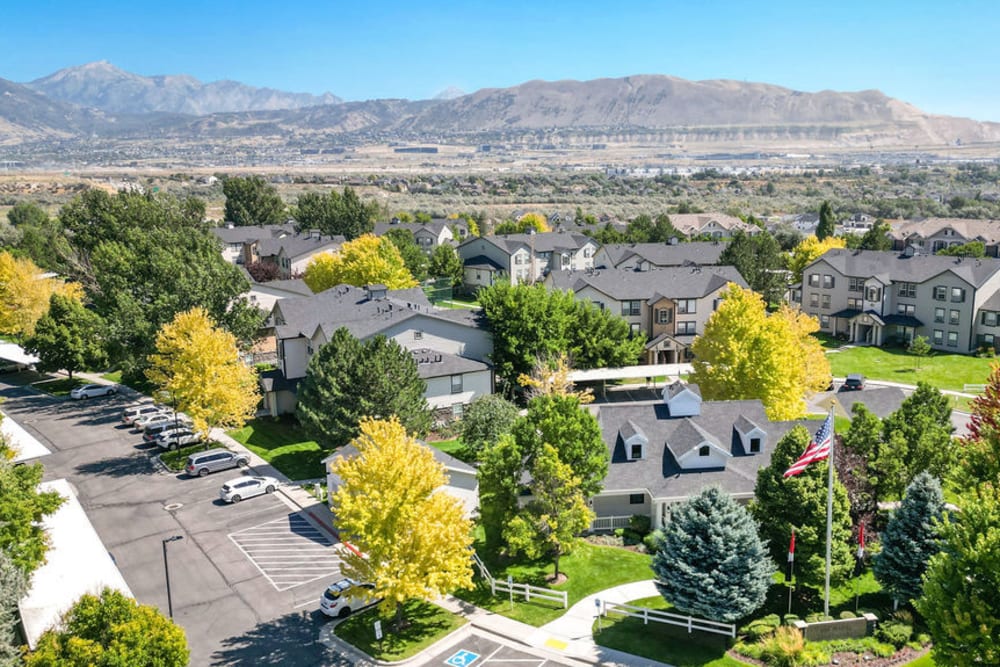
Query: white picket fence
{"points": [[974, 388], [513, 588], [660, 616]]}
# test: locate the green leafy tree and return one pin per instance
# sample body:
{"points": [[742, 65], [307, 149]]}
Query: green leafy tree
{"points": [[827, 222], [348, 379], [486, 419], [781, 504], [960, 604], [530, 322], [367, 260], [548, 525], [979, 453], [445, 263], [252, 201], [919, 348], [877, 237], [336, 213], [923, 423], [759, 260], [41, 238], [13, 586], [709, 560], [109, 631], [68, 337], [910, 539], [22, 508], [501, 465], [970, 249], [414, 258], [855, 465]]}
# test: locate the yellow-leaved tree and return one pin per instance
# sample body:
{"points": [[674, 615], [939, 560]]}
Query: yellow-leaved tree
{"points": [[745, 353], [809, 250], [535, 221], [414, 537], [25, 293], [197, 369], [367, 260]]}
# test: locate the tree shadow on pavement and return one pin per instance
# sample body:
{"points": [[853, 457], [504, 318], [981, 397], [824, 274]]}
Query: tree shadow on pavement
{"points": [[288, 640], [119, 466]]}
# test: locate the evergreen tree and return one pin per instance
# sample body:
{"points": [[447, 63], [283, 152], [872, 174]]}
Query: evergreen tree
{"points": [[759, 260], [877, 237], [960, 601], [827, 222], [484, 421], [414, 258], [252, 201], [13, 586], [709, 561], [923, 423], [68, 337], [799, 502], [336, 213], [348, 379], [445, 263], [910, 539], [501, 467]]}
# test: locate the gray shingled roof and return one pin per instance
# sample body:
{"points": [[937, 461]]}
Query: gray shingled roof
{"points": [[434, 364], [664, 254], [629, 429], [659, 472], [251, 232], [986, 230], [687, 435], [914, 269], [296, 246], [447, 460], [482, 262], [678, 386], [294, 285], [674, 282], [542, 242]]}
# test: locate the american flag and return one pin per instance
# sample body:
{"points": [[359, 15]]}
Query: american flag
{"points": [[818, 449]]}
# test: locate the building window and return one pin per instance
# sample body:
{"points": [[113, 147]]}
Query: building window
{"points": [[954, 317], [588, 252], [520, 259], [906, 309], [855, 284], [704, 450], [824, 321], [814, 299], [958, 294], [631, 308], [636, 498], [940, 292], [938, 336], [873, 293], [664, 315], [908, 290], [828, 281], [987, 339], [633, 327], [826, 301], [686, 328], [687, 306], [418, 335], [855, 303], [952, 339], [939, 314], [797, 295], [813, 280], [989, 318], [635, 451], [456, 384], [754, 445]]}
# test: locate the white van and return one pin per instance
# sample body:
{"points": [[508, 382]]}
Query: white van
{"points": [[343, 597]]}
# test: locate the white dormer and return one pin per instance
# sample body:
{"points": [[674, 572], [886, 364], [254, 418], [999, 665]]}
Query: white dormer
{"points": [[683, 400], [694, 448], [633, 440], [752, 437]]}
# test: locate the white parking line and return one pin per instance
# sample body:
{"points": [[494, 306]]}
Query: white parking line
{"points": [[289, 551]]}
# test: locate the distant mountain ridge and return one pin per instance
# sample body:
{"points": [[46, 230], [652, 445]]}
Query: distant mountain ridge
{"points": [[101, 85]]}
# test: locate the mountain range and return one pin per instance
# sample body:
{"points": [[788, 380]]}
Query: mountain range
{"points": [[99, 101]]}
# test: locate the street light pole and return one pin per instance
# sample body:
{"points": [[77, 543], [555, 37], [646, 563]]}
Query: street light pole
{"points": [[166, 572]]}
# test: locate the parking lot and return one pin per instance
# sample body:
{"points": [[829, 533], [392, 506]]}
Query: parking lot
{"points": [[239, 597], [478, 650]]}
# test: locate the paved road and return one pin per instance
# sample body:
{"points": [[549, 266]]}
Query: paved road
{"points": [[231, 610]]}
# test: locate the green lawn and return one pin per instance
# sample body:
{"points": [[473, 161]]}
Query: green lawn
{"points": [[944, 371], [922, 661], [454, 447], [590, 569], [665, 643], [60, 387], [428, 623], [113, 376], [283, 444]]}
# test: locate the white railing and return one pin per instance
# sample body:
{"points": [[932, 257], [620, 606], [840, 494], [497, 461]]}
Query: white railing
{"points": [[974, 388], [660, 616], [609, 522], [512, 588]]}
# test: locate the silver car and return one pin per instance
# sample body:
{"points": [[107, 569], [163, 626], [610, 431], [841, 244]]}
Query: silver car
{"points": [[240, 488], [177, 437], [129, 415], [92, 390], [202, 463]]}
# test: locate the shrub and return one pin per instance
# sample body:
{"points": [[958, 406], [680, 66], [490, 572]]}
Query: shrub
{"points": [[639, 523], [859, 646], [846, 614], [650, 542], [903, 616], [791, 618], [895, 633], [923, 639], [759, 628], [787, 648], [818, 617]]}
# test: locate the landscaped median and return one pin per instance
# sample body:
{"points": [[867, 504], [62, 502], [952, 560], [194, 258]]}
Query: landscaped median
{"points": [[176, 459], [425, 624]]}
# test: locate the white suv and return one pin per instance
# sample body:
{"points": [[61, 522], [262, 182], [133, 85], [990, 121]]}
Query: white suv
{"points": [[343, 597]]}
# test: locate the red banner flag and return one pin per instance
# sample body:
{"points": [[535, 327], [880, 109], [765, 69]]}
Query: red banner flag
{"points": [[791, 549], [861, 541], [818, 449]]}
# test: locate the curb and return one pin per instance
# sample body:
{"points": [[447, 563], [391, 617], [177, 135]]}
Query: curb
{"points": [[333, 641]]}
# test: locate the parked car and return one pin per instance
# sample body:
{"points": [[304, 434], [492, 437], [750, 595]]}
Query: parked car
{"points": [[15, 367], [854, 382], [245, 487], [129, 415], [168, 416], [179, 437], [92, 390], [151, 432], [343, 597], [212, 460]]}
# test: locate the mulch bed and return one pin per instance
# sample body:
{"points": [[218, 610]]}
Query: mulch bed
{"points": [[901, 657]]}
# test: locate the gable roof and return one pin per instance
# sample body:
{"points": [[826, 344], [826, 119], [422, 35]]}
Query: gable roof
{"points": [[912, 269], [692, 223], [447, 460], [248, 233], [541, 242], [435, 226], [664, 254], [986, 230], [433, 364], [299, 245], [675, 282]]}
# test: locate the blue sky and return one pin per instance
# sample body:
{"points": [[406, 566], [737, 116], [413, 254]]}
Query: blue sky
{"points": [[941, 56]]}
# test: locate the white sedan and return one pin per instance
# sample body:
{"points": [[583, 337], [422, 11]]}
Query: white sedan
{"points": [[240, 488], [92, 390]]}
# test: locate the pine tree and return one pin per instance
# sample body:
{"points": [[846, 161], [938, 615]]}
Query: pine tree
{"points": [[827, 222], [710, 561], [910, 539]]}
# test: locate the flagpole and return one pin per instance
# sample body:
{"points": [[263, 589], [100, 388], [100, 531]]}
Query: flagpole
{"points": [[791, 570], [829, 517]]}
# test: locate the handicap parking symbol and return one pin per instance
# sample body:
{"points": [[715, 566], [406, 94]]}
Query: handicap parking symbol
{"points": [[462, 659]]}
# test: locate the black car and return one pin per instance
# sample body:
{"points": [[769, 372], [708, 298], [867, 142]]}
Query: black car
{"points": [[854, 382]]}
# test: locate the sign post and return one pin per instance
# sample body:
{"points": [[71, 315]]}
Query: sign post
{"points": [[378, 634], [597, 603], [510, 590]]}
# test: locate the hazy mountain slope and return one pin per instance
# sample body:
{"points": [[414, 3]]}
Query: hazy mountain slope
{"points": [[103, 86], [27, 115]]}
